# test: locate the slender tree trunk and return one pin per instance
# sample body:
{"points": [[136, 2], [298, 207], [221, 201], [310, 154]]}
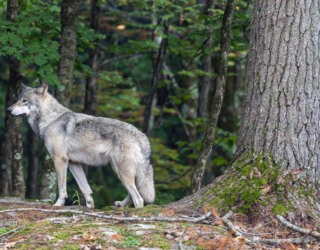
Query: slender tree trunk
{"points": [[67, 51], [215, 108], [205, 84], [157, 66], [33, 165], [18, 184], [276, 166], [95, 57]]}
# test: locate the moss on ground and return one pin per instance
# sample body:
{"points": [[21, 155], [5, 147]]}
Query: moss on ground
{"points": [[249, 184]]}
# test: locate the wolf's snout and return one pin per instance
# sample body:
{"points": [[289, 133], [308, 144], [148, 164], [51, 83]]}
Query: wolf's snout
{"points": [[9, 111]]}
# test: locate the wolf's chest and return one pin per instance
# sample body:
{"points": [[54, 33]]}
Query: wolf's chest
{"points": [[92, 153]]}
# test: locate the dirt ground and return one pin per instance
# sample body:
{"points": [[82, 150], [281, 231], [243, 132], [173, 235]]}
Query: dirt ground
{"points": [[68, 231]]}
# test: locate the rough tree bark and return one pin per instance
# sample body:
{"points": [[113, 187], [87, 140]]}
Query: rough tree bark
{"points": [[215, 108], [6, 157], [67, 51], [33, 165], [95, 57], [13, 126], [276, 165], [205, 84]]}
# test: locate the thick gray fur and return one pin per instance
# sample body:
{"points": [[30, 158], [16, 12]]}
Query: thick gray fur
{"points": [[73, 139]]}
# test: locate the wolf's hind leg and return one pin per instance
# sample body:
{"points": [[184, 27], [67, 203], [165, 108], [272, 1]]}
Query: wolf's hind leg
{"points": [[78, 173], [128, 180], [126, 202]]}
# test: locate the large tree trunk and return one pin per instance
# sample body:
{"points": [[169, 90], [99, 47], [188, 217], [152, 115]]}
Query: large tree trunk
{"points": [[276, 164], [15, 124], [215, 108], [67, 51]]}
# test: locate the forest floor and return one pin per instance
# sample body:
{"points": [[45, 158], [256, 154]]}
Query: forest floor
{"points": [[70, 230]]}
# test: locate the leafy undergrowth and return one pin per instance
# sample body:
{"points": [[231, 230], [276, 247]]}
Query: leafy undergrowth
{"points": [[40, 230]]}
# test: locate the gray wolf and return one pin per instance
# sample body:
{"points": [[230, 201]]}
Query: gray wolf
{"points": [[73, 139]]}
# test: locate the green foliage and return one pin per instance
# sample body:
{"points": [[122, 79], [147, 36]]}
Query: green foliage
{"points": [[129, 242], [77, 196], [133, 30], [33, 38]]}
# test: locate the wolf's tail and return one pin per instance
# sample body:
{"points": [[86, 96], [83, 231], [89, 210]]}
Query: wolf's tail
{"points": [[145, 181]]}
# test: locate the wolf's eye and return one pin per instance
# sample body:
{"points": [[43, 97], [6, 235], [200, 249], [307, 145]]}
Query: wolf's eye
{"points": [[24, 101]]}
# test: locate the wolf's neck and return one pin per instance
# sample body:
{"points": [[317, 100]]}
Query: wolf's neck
{"points": [[50, 110]]}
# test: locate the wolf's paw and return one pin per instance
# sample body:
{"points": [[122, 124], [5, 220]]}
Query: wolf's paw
{"points": [[118, 204], [59, 203], [90, 204]]}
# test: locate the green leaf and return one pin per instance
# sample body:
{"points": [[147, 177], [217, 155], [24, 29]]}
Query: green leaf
{"points": [[61, 88], [40, 60], [186, 73]]}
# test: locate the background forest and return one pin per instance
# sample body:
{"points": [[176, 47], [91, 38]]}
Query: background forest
{"points": [[134, 58]]}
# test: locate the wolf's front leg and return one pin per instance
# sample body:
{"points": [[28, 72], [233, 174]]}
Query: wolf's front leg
{"points": [[78, 173], [60, 164]]}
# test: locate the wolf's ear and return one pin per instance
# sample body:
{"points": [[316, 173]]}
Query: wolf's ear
{"points": [[24, 87], [42, 89]]}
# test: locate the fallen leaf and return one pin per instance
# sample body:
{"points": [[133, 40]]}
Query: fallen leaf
{"points": [[251, 174], [117, 237], [218, 222], [282, 177], [239, 238], [215, 213], [258, 173], [295, 172], [265, 190], [48, 238], [168, 211], [89, 237]]}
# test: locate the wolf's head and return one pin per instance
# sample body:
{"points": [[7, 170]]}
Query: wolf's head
{"points": [[29, 101]]}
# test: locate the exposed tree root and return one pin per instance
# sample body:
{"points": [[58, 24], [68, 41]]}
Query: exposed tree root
{"points": [[303, 239], [295, 228]]}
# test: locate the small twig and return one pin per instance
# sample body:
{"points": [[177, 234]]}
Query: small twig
{"points": [[174, 179], [307, 234], [39, 242], [11, 231], [295, 228], [110, 217]]}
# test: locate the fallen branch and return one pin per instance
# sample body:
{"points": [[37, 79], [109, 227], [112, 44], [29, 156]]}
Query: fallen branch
{"points": [[295, 228], [110, 217], [11, 231], [228, 215], [231, 227], [292, 240]]}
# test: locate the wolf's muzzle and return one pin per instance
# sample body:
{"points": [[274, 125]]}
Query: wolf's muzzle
{"points": [[9, 111]]}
